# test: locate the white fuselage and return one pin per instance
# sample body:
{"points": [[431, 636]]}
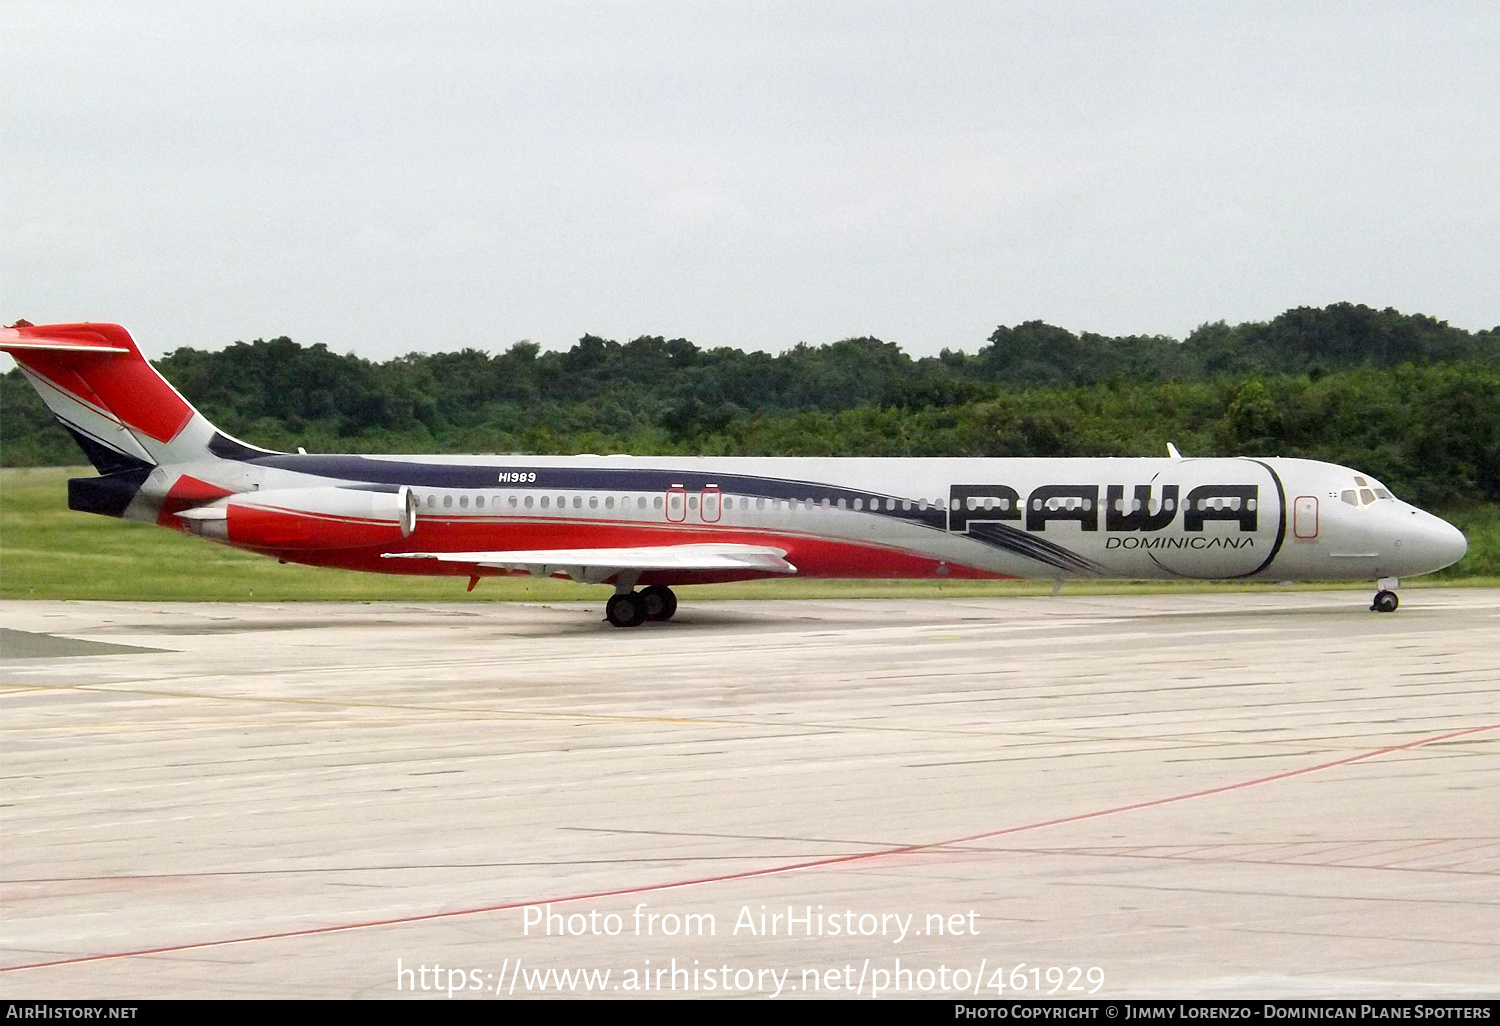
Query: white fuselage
{"points": [[1139, 519]]}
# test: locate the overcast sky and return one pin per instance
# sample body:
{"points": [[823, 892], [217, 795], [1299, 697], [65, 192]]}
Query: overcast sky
{"points": [[399, 176]]}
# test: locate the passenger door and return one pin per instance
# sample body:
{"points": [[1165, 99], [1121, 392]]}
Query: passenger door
{"points": [[677, 504], [1305, 517], [711, 504]]}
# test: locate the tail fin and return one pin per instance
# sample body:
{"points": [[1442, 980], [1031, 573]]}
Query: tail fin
{"points": [[122, 413], [97, 384]]}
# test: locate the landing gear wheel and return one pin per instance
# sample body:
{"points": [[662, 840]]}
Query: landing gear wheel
{"points": [[628, 610], [1385, 602], [660, 602]]}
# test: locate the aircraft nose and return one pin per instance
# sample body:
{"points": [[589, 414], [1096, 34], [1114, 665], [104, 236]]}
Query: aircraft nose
{"points": [[1448, 543], [1425, 544]]}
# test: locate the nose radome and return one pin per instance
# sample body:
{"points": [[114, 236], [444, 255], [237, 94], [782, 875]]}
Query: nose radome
{"points": [[1449, 543]]}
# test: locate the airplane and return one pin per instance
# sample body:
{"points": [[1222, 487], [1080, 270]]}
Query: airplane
{"points": [[647, 524]]}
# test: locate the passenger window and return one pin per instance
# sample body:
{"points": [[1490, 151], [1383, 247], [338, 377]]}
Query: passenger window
{"points": [[529, 500], [922, 505], [657, 501], [447, 501], [609, 502], [562, 501], [760, 503], [463, 501], [545, 501], [1250, 504], [824, 503], [432, 502], [479, 501], [692, 502], [512, 502], [843, 504], [593, 502], [859, 504], [1170, 504], [578, 502], [640, 502]]}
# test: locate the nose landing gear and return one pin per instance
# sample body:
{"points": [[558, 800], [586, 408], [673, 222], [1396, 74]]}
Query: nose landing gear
{"points": [[633, 608], [1385, 599]]}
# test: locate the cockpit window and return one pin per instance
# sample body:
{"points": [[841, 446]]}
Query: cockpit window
{"points": [[1367, 492]]}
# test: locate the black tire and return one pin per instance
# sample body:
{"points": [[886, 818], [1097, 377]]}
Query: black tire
{"points": [[1385, 602], [625, 610], [660, 602]]}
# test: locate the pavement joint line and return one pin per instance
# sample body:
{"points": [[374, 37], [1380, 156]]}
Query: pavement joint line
{"points": [[492, 715], [1222, 892], [1367, 937], [1239, 860], [511, 714], [820, 863]]}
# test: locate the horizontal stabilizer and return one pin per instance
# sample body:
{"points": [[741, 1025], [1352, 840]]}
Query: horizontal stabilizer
{"points": [[72, 338], [596, 565]]}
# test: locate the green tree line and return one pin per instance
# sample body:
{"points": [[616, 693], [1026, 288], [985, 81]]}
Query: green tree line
{"points": [[1405, 397]]}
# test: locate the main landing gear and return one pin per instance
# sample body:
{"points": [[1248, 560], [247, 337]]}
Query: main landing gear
{"points": [[1386, 600], [633, 608]]}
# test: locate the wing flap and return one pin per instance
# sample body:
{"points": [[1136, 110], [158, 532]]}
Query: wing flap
{"points": [[595, 565]]}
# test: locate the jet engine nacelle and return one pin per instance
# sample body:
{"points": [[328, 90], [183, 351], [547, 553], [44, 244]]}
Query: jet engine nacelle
{"points": [[307, 518]]}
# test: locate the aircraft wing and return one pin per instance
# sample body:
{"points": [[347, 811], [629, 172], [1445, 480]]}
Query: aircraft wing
{"points": [[593, 566]]}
